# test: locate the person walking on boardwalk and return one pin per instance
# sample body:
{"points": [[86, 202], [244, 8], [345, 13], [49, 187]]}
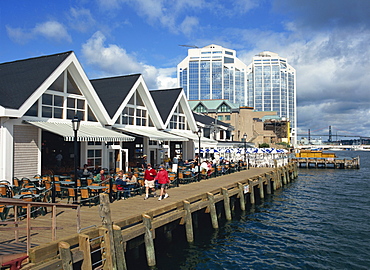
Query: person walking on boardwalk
{"points": [[163, 181], [149, 176]]}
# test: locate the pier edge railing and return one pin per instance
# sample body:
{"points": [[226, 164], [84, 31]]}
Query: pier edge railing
{"points": [[112, 240]]}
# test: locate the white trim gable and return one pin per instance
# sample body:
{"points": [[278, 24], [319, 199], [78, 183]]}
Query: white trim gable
{"points": [[72, 65], [141, 88], [183, 102]]}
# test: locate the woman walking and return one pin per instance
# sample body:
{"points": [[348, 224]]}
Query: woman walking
{"points": [[163, 181]]}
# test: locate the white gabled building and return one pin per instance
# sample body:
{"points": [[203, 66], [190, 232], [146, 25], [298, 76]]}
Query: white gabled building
{"points": [[120, 120]]}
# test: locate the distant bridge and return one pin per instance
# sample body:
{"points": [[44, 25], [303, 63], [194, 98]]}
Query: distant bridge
{"points": [[335, 147]]}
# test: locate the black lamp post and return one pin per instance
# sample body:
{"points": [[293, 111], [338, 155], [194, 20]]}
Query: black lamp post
{"points": [[75, 126], [199, 133], [245, 146]]}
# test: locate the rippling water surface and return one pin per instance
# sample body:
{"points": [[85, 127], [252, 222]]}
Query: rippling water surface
{"points": [[320, 221]]}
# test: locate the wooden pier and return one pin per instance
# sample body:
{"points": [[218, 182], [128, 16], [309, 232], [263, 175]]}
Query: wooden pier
{"points": [[334, 163], [112, 229]]}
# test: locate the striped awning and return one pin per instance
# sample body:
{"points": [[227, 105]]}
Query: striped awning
{"points": [[151, 132], [190, 135], [88, 132]]}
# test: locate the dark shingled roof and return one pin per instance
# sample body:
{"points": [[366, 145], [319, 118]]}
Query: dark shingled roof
{"points": [[165, 100], [20, 79], [207, 120], [112, 91]]}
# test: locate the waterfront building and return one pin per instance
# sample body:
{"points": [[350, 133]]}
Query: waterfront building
{"points": [[213, 72], [259, 126], [272, 87], [119, 118]]}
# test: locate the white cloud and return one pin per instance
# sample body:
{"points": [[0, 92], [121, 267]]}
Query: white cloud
{"points": [[81, 19], [18, 35], [188, 25], [112, 60], [51, 30]]}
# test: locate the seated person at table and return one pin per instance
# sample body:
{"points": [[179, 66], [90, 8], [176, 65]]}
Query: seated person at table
{"points": [[86, 172], [120, 181], [131, 178], [100, 177]]}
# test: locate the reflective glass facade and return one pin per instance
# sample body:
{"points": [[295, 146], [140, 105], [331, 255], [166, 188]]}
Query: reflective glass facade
{"points": [[272, 86], [213, 72]]}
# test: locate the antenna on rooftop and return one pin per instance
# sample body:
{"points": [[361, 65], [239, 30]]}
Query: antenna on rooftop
{"points": [[190, 46]]}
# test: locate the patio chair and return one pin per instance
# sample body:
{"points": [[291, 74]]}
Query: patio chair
{"points": [[86, 196], [17, 184], [71, 194], [4, 211]]}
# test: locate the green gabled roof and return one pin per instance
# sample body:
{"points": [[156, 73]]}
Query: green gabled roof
{"points": [[212, 104]]}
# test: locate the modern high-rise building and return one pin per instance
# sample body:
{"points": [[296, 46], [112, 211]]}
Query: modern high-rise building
{"points": [[267, 84], [272, 87], [213, 72]]}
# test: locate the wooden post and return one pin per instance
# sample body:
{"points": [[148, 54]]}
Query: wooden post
{"points": [[241, 196], [54, 222], [274, 179], [104, 211], [107, 251], [225, 193], [268, 181], [260, 182], [84, 245], [65, 255], [188, 223], [251, 191], [212, 208], [148, 239], [118, 246], [284, 176], [287, 174]]}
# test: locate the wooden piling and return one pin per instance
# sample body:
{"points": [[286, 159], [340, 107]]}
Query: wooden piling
{"points": [[65, 255], [251, 191], [212, 210], [84, 244], [241, 196], [105, 213], [148, 239], [188, 223], [260, 185], [268, 184], [225, 193], [106, 249], [119, 248]]}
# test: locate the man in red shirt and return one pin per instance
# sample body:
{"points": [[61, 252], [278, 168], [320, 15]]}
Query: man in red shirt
{"points": [[149, 176]]}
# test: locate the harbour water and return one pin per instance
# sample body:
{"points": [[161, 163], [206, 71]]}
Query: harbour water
{"points": [[319, 221]]}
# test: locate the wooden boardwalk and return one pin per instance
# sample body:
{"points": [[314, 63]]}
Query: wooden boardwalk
{"points": [[124, 209], [112, 228]]}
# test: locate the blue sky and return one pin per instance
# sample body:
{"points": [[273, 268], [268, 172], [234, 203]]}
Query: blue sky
{"points": [[327, 42]]}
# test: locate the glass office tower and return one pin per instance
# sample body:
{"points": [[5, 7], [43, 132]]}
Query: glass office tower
{"points": [[213, 72], [272, 87]]}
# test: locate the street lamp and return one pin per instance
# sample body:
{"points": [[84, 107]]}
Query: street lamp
{"points": [[245, 146], [75, 126], [199, 133]]}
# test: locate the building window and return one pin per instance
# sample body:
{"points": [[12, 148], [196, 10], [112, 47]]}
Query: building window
{"points": [[173, 122], [135, 113], [63, 100], [220, 117], [178, 119], [94, 157], [227, 117], [223, 108], [200, 109]]}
